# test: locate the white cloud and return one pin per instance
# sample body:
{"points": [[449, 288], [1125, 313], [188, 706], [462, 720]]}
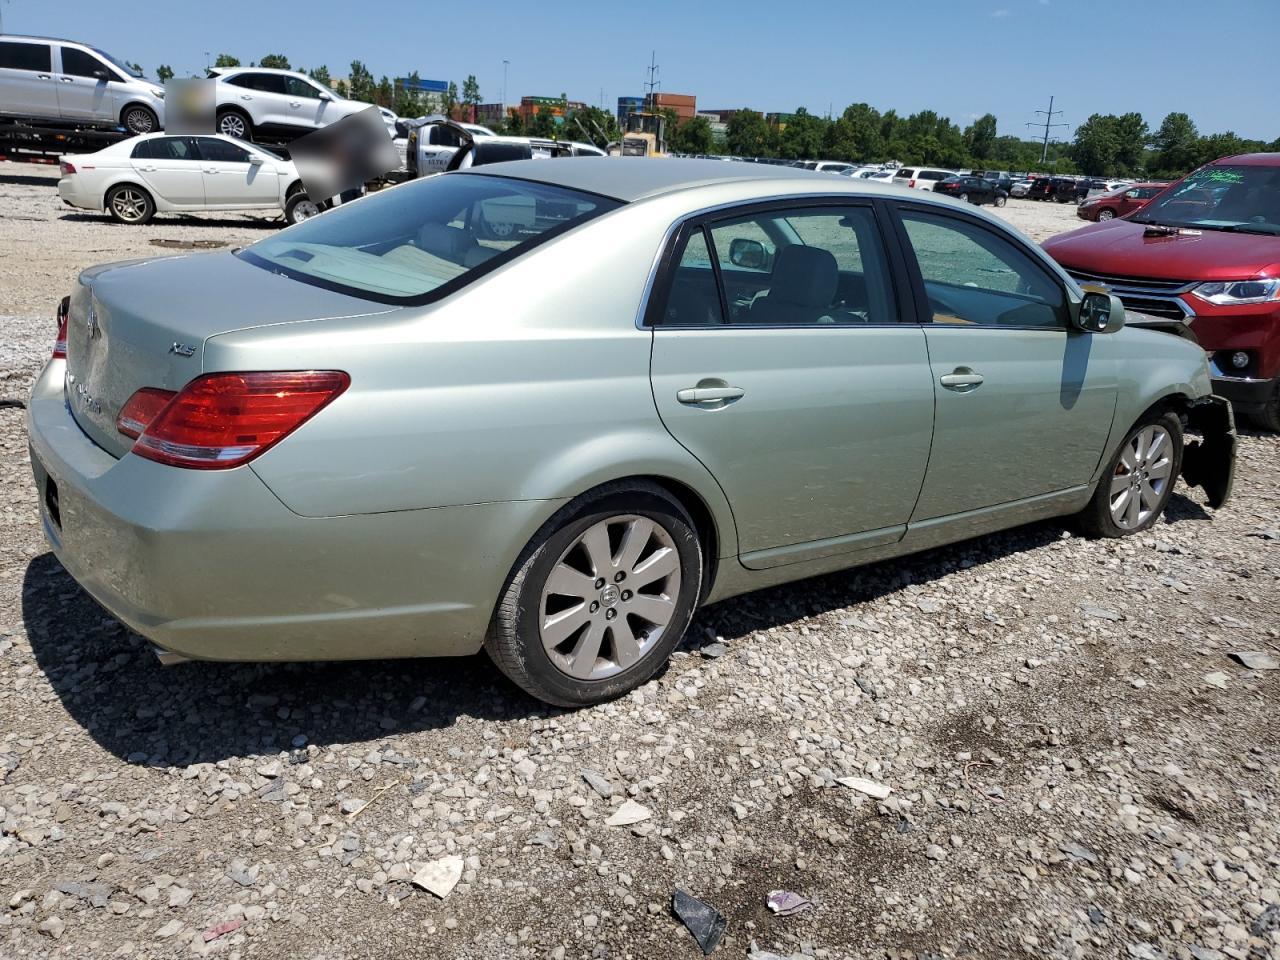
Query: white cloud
{"points": [[1001, 12]]}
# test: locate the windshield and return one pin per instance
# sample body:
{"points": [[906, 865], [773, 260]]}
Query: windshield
{"points": [[424, 240], [1221, 197], [127, 68]]}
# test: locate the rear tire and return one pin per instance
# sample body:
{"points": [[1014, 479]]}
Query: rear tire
{"points": [[1135, 488], [300, 207], [568, 628], [235, 123], [1001, 199], [138, 119], [130, 204], [963, 198]]}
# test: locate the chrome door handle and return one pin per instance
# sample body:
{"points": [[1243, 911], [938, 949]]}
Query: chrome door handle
{"points": [[210, 169], [295, 103], [245, 96], [148, 169], [699, 395], [66, 79], [44, 76], [962, 380]]}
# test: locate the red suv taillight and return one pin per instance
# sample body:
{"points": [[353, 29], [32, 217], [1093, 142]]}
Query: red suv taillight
{"points": [[60, 344], [912, 183], [66, 169], [223, 420]]}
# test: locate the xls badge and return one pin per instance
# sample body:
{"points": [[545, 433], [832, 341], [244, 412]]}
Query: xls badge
{"points": [[87, 400]]}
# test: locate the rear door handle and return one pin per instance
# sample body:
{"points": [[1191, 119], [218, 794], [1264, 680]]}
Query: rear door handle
{"points": [[210, 169], [66, 79], [701, 395], [245, 96], [295, 103], [962, 380], [44, 76]]}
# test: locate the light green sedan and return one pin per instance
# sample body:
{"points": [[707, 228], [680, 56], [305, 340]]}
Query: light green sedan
{"points": [[549, 408]]}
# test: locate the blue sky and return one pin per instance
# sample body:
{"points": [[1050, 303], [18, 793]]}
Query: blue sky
{"points": [[1217, 61]]}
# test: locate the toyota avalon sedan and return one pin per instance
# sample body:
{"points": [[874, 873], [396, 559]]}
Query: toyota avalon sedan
{"points": [[395, 431]]}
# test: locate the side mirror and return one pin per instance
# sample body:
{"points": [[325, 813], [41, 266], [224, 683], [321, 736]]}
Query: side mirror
{"points": [[326, 96], [101, 74], [255, 160], [1100, 313], [748, 254]]}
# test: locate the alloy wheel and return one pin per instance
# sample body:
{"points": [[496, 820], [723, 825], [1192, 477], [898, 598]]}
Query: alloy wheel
{"points": [[610, 597], [129, 205], [231, 125], [1105, 214], [139, 120], [1142, 477]]}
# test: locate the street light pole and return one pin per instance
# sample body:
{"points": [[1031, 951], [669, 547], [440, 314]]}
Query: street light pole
{"points": [[505, 64]]}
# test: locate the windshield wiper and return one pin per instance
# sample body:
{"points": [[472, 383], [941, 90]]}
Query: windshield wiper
{"points": [[1269, 229]]}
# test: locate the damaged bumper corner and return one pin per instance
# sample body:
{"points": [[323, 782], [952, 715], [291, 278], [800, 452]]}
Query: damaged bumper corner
{"points": [[1210, 462]]}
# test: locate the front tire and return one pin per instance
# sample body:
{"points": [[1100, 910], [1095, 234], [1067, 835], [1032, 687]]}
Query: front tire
{"points": [[600, 596], [138, 119], [1139, 479], [233, 123], [1105, 215], [130, 204], [1001, 199]]}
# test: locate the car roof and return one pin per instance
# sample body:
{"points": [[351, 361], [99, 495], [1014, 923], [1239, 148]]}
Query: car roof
{"points": [[227, 71], [636, 178], [1251, 160], [25, 36]]}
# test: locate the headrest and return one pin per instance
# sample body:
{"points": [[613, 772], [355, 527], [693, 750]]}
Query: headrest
{"points": [[449, 243], [807, 276]]}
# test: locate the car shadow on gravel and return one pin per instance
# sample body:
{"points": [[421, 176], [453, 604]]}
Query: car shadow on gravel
{"points": [[144, 713], [26, 180], [180, 220]]}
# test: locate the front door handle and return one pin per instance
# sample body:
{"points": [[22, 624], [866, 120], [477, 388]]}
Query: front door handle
{"points": [[44, 76], [295, 103], [245, 96], [210, 169], [708, 395], [961, 380], [66, 79]]}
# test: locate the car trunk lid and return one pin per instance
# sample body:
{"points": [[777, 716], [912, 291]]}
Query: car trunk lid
{"points": [[144, 323]]}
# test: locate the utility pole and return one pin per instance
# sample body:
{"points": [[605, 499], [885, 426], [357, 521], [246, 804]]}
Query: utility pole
{"points": [[653, 82], [505, 64], [1048, 125]]}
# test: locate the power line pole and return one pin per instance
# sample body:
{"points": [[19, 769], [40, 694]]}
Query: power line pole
{"points": [[1048, 125], [653, 82]]}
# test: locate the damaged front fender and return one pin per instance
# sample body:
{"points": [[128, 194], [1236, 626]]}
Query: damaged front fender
{"points": [[1210, 462]]}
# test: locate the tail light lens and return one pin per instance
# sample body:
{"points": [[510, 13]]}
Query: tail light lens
{"points": [[60, 344], [66, 169], [223, 420], [912, 184], [140, 409]]}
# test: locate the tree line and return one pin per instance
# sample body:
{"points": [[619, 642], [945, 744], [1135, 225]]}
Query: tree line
{"points": [[1104, 145]]}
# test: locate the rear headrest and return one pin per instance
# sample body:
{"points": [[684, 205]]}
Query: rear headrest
{"points": [[450, 243], [807, 276]]}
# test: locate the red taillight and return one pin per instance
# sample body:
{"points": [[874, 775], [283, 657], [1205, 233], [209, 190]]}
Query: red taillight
{"points": [[912, 183], [66, 168], [60, 344], [141, 409], [222, 420]]}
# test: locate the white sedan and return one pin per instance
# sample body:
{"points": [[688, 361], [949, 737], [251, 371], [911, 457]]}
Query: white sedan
{"points": [[160, 173]]}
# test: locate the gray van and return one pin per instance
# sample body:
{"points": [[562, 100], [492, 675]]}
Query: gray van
{"points": [[42, 78]]}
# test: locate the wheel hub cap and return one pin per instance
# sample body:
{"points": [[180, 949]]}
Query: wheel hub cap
{"points": [[1142, 477]]}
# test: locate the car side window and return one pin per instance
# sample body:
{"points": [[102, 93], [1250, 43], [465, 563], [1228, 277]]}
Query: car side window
{"points": [[262, 82], [219, 151], [25, 56], [693, 299], [297, 87], [973, 276], [165, 148], [806, 266], [77, 63], [443, 136]]}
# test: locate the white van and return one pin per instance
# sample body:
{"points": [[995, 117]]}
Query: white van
{"points": [[61, 80]]}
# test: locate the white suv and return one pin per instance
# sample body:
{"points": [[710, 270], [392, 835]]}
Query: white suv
{"points": [[920, 178], [266, 104], [61, 80]]}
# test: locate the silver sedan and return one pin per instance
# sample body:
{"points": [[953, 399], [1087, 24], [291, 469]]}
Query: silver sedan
{"points": [[549, 409]]}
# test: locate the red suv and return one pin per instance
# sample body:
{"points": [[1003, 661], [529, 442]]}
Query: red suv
{"points": [[1206, 253], [1117, 203]]}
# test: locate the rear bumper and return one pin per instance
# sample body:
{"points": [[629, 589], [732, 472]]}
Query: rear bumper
{"points": [[72, 195], [1244, 392], [211, 565]]}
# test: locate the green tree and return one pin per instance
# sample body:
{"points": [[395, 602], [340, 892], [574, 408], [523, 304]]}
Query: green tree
{"points": [[693, 136], [543, 123], [385, 94], [164, 73], [449, 99], [408, 101], [803, 137], [1107, 144], [593, 125], [321, 75], [362, 84], [276, 61], [226, 60], [470, 91], [855, 135], [748, 134], [980, 139], [341, 89], [513, 126], [1175, 145]]}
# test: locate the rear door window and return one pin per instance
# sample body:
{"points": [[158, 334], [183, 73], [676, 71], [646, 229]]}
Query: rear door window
{"points": [[904, 174], [166, 148], [25, 56]]}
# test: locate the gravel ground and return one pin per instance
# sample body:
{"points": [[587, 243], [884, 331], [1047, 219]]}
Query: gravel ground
{"points": [[1078, 767]]}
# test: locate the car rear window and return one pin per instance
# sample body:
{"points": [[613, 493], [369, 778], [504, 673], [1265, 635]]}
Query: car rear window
{"points": [[424, 240], [904, 174]]}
